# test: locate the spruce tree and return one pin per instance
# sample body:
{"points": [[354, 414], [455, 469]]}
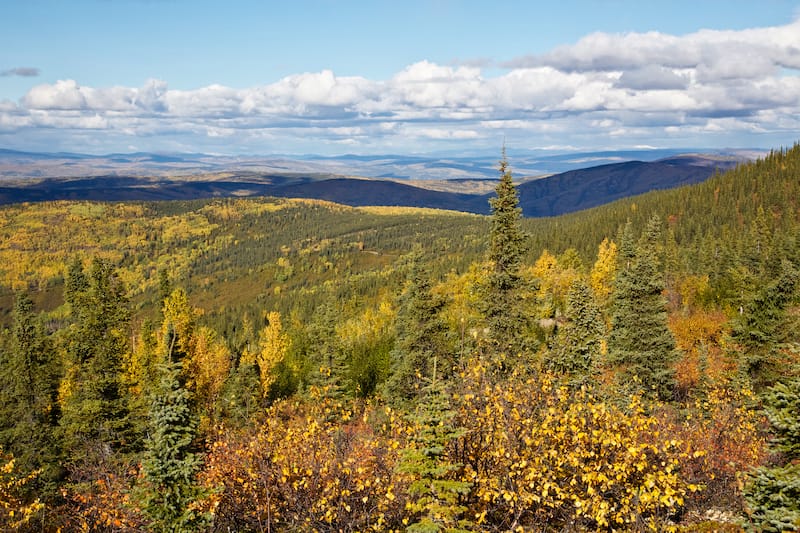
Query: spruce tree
{"points": [[641, 347], [773, 492], [171, 464], [96, 412], [577, 347], [759, 329], [29, 411], [421, 337], [435, 490], [329, 371], [501, 304]]}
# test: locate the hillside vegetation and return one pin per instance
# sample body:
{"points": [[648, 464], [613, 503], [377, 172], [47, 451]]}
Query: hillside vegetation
{"points": [[296, 365]]}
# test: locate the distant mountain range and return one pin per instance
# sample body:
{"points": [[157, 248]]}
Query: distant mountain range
{"points": [[548, 184]]}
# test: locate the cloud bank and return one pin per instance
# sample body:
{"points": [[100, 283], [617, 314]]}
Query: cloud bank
{"points": [[709, 87]]}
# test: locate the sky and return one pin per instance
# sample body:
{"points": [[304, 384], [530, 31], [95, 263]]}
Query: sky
{"points": [[403, 77]]}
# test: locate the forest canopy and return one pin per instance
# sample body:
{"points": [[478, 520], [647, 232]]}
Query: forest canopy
{"points": [[272, 364]]}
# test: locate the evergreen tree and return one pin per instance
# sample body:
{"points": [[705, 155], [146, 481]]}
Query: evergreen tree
{"points": [[759, 328], [76, 283], [578, 344], [29, 411], [773, 493], [641, 346], [329, 369], [240, 398], [435, 492], [421, 337], [501, 303], [170, 464], [95, 411]]}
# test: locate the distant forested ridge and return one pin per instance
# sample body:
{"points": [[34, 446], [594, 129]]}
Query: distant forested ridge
{"points": [[270, 364], [551, 195]]}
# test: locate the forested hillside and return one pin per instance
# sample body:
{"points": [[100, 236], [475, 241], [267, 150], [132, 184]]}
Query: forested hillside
{"points": [[296, 365]]}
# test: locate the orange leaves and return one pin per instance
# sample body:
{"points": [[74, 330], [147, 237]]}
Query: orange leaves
{"points": [[298, 471], [698, 335], [104, 504], [723, 439]]}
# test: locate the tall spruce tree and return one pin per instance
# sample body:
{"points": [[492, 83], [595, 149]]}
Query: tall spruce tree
{"points": [[171, 464], [29, 410], [641, 347], [501, 303], [421, 337], [759, 329], [329, 371], [577, 347], [95, 416]]}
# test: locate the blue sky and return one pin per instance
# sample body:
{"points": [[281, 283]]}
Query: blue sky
{"points": [[328, 77]]}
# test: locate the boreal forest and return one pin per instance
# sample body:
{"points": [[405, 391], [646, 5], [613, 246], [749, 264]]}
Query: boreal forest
{"points": [[295, 365]]}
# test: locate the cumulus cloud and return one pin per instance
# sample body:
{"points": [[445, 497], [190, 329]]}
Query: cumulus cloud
{"points": [[653, 77], [25, 72], [769, 47], [645, 87]]}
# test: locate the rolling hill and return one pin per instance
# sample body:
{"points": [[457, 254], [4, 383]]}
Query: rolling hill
{"points": [[128, 180]]}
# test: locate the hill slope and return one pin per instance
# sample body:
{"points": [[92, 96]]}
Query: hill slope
{"points": [[561, 193], [581, 189]]}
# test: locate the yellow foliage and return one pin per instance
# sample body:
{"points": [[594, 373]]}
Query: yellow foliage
{"points": [[14, 512], [208, 366], [601, 277], [178, 325], [272, 348], [554, 282], [373, 323], [330, 477], [540, 454]]}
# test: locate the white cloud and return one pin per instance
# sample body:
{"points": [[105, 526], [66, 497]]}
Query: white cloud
{"points": [[64, 94], [642, 86]]}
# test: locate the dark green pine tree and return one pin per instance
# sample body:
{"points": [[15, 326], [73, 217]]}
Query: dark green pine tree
{"points": [[95, 418], [435, 491], [773, 492], [759, 329], [421, 337], [241, 398], [640, 346], [170, 464], [576, 351], [329, 371], [76, 284], [501, 304], [29, 411]]}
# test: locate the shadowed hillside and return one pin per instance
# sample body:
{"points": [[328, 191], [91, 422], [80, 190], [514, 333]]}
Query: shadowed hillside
{"points": [[558, 194]]}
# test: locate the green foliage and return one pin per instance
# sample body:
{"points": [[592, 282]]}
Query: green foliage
{"points": [[528, 447], [29, 412], [240, 399], [578, 345], [641, 348], [421, 337], [773, 493], [95, 398], [329, 370], [501, 303], [760, 326], [435, 491], [169, 493]]}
